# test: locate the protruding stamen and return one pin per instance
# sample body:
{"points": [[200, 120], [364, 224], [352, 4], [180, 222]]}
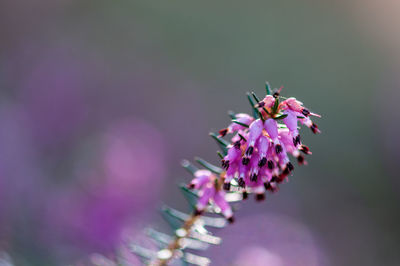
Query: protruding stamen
{"points": [[262, 162], [300, 159], [241, 182], [227, 186], [198, 212], [260, 197], [249, 150], [225, 164], [305, 112], [231, 220], [296, 140], [314, 128], [270, 186], [245, 161], [278, 148], [271, 164], [275, 178], [223, 132], [290, 166], [277, 92], [254, 177], [237, 144], [305, 149], [245, 195]]}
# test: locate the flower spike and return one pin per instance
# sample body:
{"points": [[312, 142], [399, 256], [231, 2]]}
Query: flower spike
{"points": [[255, 159]]}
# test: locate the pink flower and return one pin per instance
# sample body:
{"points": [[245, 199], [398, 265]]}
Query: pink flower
{"points": [[206, 183], [234, 127], [258, 156], [296, 108]]}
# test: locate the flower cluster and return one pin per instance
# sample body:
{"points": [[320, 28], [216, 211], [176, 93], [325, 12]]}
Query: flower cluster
{"points": [[256, 157]]}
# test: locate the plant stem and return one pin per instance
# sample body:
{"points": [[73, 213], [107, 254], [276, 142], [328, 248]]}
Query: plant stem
{"points": [[175, 244], [185, 229]]}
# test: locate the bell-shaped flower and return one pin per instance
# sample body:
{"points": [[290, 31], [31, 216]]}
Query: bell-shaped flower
{"points": [[243, 119]]}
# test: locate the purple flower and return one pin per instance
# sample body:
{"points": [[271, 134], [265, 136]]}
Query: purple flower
{"points": [[233, 127], [258, 156], [209, 191]]}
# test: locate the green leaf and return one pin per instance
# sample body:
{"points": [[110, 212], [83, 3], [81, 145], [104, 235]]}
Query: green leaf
{"points": [[214, 221], [268, 88], [196, 259], [179, 217], [258, 100], [189, 195], [280, 117], [194, 244], [162, 239], [255, 97], [220, 155], [255, 111], [239, 123], [276, 104], [173, 217], [223, 144], [206, 237], [232, 114], [142, 252], [209, 166], [189, 167]]}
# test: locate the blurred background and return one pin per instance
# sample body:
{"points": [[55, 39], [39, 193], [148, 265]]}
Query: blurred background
{"points": [[100, 100]]}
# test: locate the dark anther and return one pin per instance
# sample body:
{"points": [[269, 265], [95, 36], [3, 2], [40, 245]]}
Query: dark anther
{"points": [[254, 177], [250, 150], [285, 172], [282, 177], [300, 159], [290, 166], [270, 164], [305, 149], [260, 197], [190, 186], [262, 162], [245, 161], [314, 128], [231, 220], [197, 212], [225, 164], [305, 112], [278, 148], [274, 178], [267, 185], [237, 144], [223, 132], [227, 186], [261, 104], [296, 140], [276, 94], [245, 195], [241, 182]]}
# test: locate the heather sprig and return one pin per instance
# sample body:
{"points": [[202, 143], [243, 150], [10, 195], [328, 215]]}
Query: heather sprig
{"points": [[254, 153]]}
